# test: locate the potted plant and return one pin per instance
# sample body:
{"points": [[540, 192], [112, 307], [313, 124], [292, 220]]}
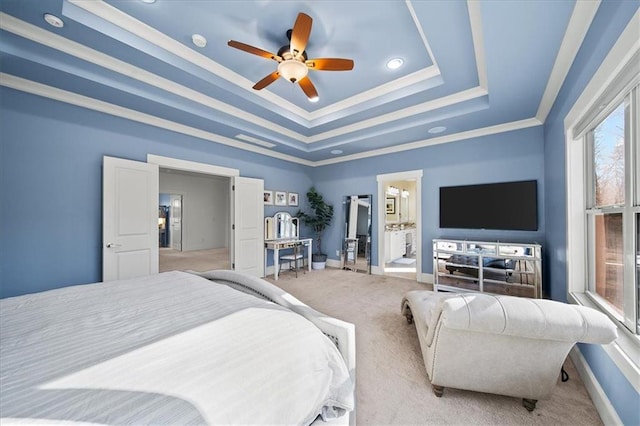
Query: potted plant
{"points": [[318, 221]]}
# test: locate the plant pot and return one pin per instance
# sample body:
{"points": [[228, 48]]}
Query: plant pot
{"points": [[318, 265], [318, 261]]}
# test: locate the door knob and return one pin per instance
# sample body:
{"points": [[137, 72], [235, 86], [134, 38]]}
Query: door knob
{"points": [[110, 245]]}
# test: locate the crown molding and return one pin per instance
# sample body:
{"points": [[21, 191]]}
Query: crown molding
{"points": [[71, 98], [423, 37], [138, 28], [384, 89], [28, 86], [116, 17], [579, 23], [463, 96], [475, 21], [62, 44], [476, 133]]}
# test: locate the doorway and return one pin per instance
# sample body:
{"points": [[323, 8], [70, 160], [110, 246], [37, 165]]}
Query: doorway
{"points": [[400, 224], [131, 195], [197, 227]]}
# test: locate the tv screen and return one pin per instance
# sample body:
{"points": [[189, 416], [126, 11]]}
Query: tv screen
{"points": [[507, 206]]}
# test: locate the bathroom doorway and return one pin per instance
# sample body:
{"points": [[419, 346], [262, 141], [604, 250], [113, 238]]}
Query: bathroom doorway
{"points": [[399, 225]]}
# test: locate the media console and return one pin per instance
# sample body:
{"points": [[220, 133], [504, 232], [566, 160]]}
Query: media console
{"points": [[493, 267]]}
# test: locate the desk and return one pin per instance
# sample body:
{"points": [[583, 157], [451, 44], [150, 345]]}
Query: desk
{"points": [[277, 245]]}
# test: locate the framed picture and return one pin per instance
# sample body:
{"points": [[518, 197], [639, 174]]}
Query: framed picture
{"points": [[281, 198], [268, 197], [293, 199], [391, 205]]}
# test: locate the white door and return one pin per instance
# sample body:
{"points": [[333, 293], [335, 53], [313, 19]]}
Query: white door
{"points": [[175, 217], [248, 225], [129, 219]]}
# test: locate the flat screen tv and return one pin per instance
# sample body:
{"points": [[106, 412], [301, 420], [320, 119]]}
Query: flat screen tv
{"points": [[506, 206]]}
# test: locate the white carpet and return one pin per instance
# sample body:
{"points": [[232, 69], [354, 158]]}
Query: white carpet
{"points": [[392, 385]]}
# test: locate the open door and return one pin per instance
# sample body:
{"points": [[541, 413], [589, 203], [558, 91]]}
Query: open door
{"points": [[175, 218], [129, 219], [248, 226]]}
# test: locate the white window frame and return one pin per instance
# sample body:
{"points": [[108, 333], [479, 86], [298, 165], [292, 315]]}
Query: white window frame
{"points": [[629, 99], [607, 86]]}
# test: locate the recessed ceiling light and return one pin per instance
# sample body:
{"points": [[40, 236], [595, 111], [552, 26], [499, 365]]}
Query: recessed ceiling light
{"points": [[394, 63], [199, 40], [148, 1], [53, 20], [314, 99], [336, 151], [437, 129]]}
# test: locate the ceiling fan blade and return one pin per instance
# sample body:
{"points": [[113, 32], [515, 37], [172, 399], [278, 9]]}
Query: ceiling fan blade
{"points": [[266, 81], [254, 50], [300, 34], [330, 64], [308, 88]]}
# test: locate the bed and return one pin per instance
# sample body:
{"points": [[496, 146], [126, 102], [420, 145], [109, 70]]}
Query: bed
{"points": [[173, 348]]}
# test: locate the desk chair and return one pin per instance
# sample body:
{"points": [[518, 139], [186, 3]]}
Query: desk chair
{"points": [[296, 258]]}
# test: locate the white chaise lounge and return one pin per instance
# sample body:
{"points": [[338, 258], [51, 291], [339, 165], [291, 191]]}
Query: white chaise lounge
{"points": [[500, 344]]}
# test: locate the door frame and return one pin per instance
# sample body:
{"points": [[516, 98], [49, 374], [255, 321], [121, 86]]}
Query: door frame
{"points": [[382, 179], [202, 168]]}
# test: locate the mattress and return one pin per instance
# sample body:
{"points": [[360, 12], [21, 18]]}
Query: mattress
{"points": [[171, 348]]}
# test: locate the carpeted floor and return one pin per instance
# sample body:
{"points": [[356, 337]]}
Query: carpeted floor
{"points": [[195, 260], [392, 386]]}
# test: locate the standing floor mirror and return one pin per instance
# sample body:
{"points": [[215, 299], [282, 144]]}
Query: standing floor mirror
{"points": [[356, 245]]}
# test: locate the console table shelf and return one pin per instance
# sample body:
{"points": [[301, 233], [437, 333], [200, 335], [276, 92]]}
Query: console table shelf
{"points": [[493, 267]]}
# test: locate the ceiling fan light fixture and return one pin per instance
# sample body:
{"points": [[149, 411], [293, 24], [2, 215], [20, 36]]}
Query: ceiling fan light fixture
{"points": [[293, 70], [314, 99]]}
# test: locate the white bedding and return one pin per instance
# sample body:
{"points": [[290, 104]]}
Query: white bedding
{"points": [[172, 348]]}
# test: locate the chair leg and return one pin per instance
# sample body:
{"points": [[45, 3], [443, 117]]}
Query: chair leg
{"points": [[437, 390], [529, 404]]}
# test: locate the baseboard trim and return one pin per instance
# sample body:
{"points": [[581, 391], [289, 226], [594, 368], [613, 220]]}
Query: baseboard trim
{"points": [[422, 278], [426, 278], [334, 263], [604, 407], [269, 271]]}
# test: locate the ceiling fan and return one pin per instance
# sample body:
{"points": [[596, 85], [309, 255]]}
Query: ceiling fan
{"points": [[292, 60]]}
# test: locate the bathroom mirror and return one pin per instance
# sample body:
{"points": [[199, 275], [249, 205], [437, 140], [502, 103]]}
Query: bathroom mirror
{"points": [[281, 226], [356, 247]]}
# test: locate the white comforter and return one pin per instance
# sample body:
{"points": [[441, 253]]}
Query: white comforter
{"points": [[172, 348]]}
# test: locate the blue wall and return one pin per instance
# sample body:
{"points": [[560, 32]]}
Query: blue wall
{"points": [[51, 171], [510, 156], [610, 21]]}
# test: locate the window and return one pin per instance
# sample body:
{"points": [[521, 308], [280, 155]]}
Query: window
{"points": [[603, 194], [612, 209], [609, 211]]}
